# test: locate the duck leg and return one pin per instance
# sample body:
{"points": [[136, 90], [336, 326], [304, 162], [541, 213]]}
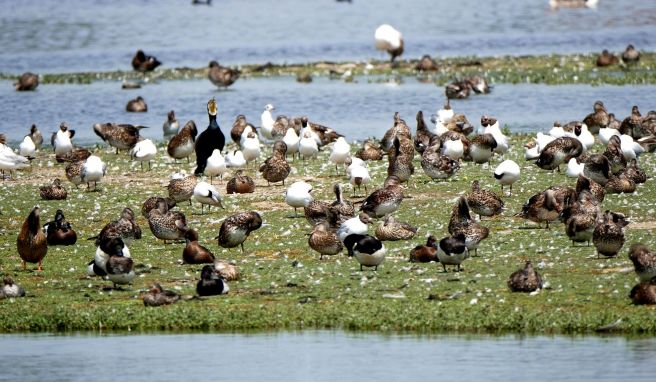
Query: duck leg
{"points": [[24, 265], [40, 269], [242, 247]]}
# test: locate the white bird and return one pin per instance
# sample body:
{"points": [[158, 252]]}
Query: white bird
{"points": [[445, 114], [250, 147], [307, 146], [354, 162], [341, 150], [453, 148], [389, 39], [10, 161], [62, 141], [585, 137], [531, 152], [543, 140], [27, 148], [359, 176], [499, 137], [605, 133], [630, 148], [235, 159], [291, 139], [298, 195], [92, 171], [507, 173], [574, 168], [98, 267], [144, 151], [205, 193], [356, 225], [216, 165], [557, 131], [267, 121], [244, 135]]}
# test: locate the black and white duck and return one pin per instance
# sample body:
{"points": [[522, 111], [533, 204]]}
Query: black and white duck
{"points": [[367, 250], [452, 250], [211, 283]]}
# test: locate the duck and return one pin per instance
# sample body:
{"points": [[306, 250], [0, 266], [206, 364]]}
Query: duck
{"points": [[484, 202], [143, 63], [216, 165], [597, 168], [586, 138], [598, 119], [547, 205], [28, 81], [31, 242], [291, 139], [183, 143], [606, 59], [235, 159], [389, 39], [27, 148], [76, 154], [280, 126], [210, 139], [98, 266], [632, 125], [307, 146], [194, 253], [462, 223], [275, 168], [423, 136], [239, 128], [165, 224], [400, 158], [171, 126], [211, 283], [125, 228], [491, 126], [324, 240], [36, 136], [355, 225], [615, 156], [457, 89], [398, 129], [391, 230], [573, 3], [436, 165], [367, 250], [119, 268], [452, 250], [531, 150], [559, 151], [59, 231], [426, 64], [205, 193], [445, 114], [630, 55], [119, 136], [481, 148], [385, 200], [340, 206], [93, 170], [525, 280], [151, 203], [584, 183], [453, 147], [10, 289], [370, 151], [182, 188], [630, 149], [157, 296], [359, 176], [227, 270], [478, 84], [620, 184], [297, 195], [608, 235], [635, 173], [236, 228], [62, 139], [250, 147], [644, 261], [507, 173], [74, 172], [580, 218], [137, 105], [644, 293], [574, 168], [425, 253], [222, 76], [340, 151], [613, 124], [55, 191], [144, 151], [240, 184], [267, 121]]}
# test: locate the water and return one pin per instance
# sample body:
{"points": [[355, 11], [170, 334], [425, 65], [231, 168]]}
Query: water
{"points": [[325, 356], [81, 35], [358, 110]]}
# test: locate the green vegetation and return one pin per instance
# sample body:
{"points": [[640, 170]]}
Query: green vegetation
{"points": [[545, 69], [584, 292]]}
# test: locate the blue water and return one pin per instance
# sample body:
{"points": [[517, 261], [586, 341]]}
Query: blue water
{"points": [[324, 356], [78, 35]]}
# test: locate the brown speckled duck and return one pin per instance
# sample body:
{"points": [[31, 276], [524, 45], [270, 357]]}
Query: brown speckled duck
{"points": [[53, 192], [481, 148], [584, 183], [167, 225], [608, 235], [547, 205], [436, 165], [36, 136], [120, 136], [644, 293], [580, 218], [26, 82], [76, 154], [182, 189], [614, 155], [423, 136], [340, 206], [461, 223], [136, 105], [183, 143], [194, 253], [238, 128], [151, 203], [74, 172], [391, 230], [324, 240], [276, 169], [125, 228], [426, 64], [598, 119], [240, 184], [484, 202], [385, 200], [31, 242], [236, 228], [620, 184], [370, 151], [597, 168], [400, 128], [525, 280], [559, 151], [157, 296], [222, 76], [635, 173], [644, 261], [400, 159], [425, 253], [316, 211]]}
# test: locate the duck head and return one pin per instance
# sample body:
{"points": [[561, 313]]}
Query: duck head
{"points": [[212, 108]]}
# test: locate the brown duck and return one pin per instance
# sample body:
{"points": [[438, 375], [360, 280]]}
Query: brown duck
{"points": [[143, 63], [26, 82], [53, 192], [151, 203], [461, 223], [194, 253], [183, 143], [525, 280], [31, 242], [644, 261], [370, 151], [607, 59], [236, 228], [59, 231], [425, 253], [222, 76], [598, 119], [157, 296], [484, 202], [276, 169], [608, 235], [137, 105], [391, 230], [120, 136], [324, 240], [240, 184]]}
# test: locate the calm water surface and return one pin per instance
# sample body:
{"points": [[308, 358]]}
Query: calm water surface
{"points": [[357, 110], [325, 356], [89, 35]]}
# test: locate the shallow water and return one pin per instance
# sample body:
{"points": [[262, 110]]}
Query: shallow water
{"points": [[358, 110], [77, 35], [325, 356]]}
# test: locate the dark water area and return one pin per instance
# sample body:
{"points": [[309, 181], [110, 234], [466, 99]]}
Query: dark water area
{"points": [[75, 35], [324, 356], [357, 110]]}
